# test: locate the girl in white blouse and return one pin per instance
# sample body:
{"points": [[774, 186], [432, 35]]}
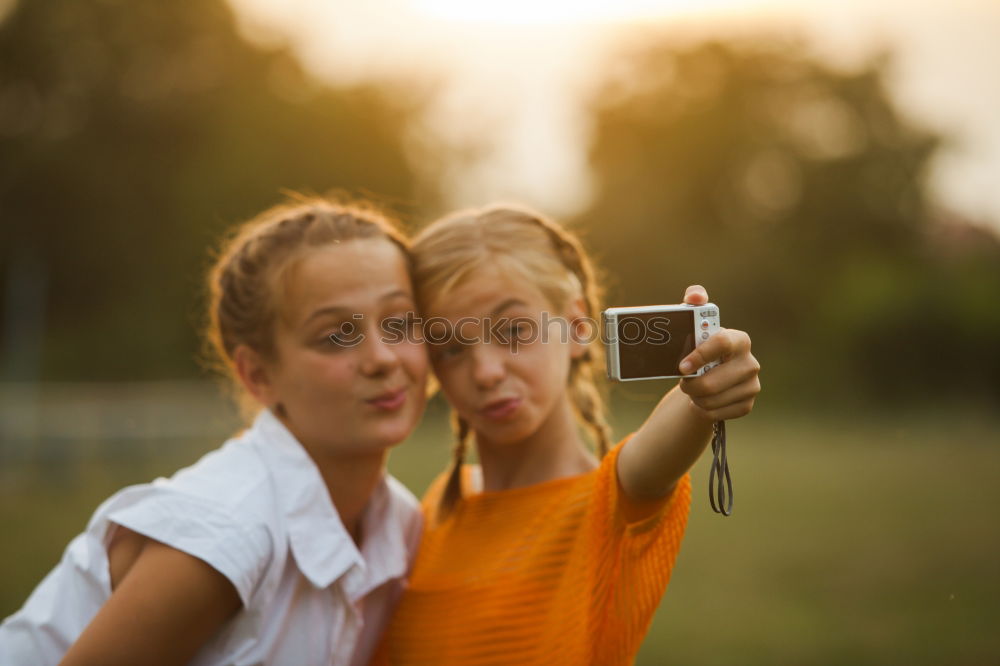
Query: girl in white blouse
{"points": [[289, 544]]}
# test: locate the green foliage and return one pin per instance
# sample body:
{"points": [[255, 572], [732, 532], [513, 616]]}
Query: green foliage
{"points": [[132, 134], [796, 194]]}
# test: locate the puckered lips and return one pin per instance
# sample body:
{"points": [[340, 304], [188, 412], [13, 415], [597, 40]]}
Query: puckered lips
{"points": [[501, 409], [389, 401]]}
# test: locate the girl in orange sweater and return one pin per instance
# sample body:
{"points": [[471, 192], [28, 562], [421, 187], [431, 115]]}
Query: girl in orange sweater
{"points": [[545, 553]]}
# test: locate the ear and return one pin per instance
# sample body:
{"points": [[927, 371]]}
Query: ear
{"points": [[255, 375], [581, 328]]}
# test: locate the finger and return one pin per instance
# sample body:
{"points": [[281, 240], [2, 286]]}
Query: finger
{"points": [[733, 411], [734, 395], [722, 377], [695, 295], [723, 345]]}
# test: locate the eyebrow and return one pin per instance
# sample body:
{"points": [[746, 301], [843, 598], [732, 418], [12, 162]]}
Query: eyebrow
{"points": [[510, 302], [344, 311]]}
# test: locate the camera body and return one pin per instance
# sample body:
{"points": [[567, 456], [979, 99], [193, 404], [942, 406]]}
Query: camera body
{"points": [[649, 342]]}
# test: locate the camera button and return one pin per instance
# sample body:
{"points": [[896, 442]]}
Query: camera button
{"points": [[704, 336], [704, 324]]}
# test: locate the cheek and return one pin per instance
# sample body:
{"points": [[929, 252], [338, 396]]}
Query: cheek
{"points": [[547, 363], [328, 374]]}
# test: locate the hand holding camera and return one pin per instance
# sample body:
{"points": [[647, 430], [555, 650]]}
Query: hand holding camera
{"points": [[685, 341], [718, 379], [730, 389]]}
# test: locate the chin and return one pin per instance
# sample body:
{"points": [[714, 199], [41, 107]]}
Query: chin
{"points": [[390, 435], [507, 434]]}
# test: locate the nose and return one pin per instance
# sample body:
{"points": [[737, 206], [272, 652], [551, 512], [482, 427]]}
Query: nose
{"points": [[379, 356], [487, 366]]}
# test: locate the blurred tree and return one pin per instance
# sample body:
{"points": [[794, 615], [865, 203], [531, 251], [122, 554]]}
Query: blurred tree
{"points": [[131, 134], [796, 194]]}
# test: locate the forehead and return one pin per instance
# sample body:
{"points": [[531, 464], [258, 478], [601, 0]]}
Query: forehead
{"points": [[355, 274], [481, 290]]}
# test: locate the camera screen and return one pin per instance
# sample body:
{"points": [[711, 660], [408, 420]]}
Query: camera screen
{"points": [[652, 344]]}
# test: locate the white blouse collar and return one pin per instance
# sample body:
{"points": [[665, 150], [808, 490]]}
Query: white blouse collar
{"points": [[321, 545]]}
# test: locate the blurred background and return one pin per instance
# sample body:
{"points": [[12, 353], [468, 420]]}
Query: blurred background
{"points": [[829, 170]]}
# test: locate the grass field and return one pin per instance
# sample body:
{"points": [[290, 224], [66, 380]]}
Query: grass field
{"points": [[854, 540]]}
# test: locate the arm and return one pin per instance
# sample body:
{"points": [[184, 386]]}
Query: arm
{"points": [[678, 430], [166, 604]]}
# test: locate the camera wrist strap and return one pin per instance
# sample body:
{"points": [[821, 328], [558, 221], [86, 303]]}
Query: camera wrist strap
{"points": [[720, 483]]}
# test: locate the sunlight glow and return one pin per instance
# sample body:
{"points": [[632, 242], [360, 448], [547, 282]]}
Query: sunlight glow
{"points": [[545, 12], [513, 76], [6, 7]]}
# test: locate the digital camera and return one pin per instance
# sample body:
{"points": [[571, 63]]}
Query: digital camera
{"points": [[649, 342]]}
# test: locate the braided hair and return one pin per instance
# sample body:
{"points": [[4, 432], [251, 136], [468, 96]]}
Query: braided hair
{"points": [[539, 250]]}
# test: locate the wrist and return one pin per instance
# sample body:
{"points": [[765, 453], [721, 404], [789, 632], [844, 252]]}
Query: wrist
{"points": [[697, 415]]}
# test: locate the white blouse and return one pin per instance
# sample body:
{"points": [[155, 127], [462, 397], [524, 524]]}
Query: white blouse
{"points": [[257, 511]]}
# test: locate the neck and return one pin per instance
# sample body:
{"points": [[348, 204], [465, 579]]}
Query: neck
{"points": [[350, 482], [554, 451]]}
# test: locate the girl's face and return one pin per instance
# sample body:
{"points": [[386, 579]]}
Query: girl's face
{"points": [[505, 369], [349, 374]]}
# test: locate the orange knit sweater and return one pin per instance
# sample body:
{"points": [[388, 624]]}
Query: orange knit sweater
{"points": [[567, 571]]}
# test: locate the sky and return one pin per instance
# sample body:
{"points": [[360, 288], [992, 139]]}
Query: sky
{"points": [[515, 71]]}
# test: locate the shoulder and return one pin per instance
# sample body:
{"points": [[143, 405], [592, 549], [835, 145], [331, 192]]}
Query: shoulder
{"points": [[191, 512], [221, 510], [234, 477], [231, 484], [621, 513], [431, 499]]}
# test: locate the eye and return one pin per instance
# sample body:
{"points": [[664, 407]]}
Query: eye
{"points": [[335, 339], [520, 332], [348, 334]]}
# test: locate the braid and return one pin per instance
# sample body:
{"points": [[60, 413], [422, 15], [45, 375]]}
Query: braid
{"points": [[544, 254], [453, 488], [588, 400], [589, 404]]}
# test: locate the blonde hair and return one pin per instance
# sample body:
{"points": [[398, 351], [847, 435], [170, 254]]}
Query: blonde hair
{"points": [[536, 250], [249, 269]]}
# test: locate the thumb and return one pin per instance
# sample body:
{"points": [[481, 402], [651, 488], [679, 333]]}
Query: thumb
{"points": [[695, 295]]}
